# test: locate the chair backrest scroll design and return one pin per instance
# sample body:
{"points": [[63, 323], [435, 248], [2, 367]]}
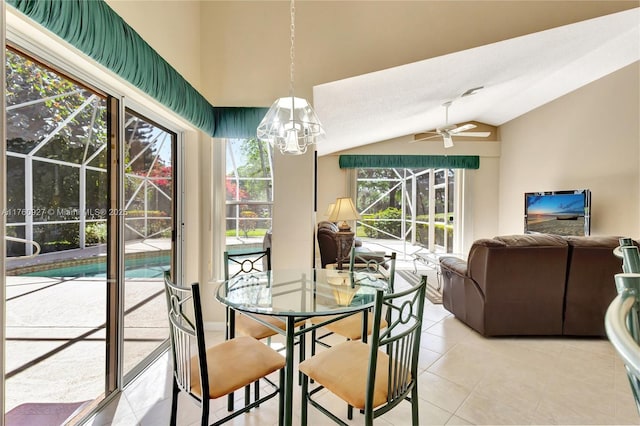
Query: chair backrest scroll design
{"points": [[246, 262], [400, 340], [376, 263]]}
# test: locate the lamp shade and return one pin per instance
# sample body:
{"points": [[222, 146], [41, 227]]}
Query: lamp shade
{"points": [[330, 209], [290, 125], [344, 210]]}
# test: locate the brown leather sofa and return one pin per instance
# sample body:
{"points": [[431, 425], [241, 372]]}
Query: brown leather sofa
{"points": [[534, 284]]}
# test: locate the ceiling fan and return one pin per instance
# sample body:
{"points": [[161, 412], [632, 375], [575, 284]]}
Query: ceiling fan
{"points": [[449, 130]]}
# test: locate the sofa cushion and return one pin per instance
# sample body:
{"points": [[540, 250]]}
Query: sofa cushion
{"points": [[590, 284], [532, 240]]}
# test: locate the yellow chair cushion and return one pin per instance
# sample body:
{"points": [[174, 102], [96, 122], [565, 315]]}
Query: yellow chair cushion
{"points": [[234, 364], [342, 370], [351, 326], [249, 327]]}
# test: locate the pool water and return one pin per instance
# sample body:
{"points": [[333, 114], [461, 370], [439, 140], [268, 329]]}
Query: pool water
{"points": [[144, 267]]}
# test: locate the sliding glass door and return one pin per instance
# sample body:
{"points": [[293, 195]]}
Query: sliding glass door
{"points": [[148, 225], [90, 222], [57, 201], [412, 205]]}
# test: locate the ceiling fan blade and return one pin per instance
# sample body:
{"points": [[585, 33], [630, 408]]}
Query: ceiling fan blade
{"points": [[424, 139], [448, 142], [446, 128], [462, 128], [474, 134]]}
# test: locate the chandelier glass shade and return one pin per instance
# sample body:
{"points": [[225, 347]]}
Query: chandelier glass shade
{"points": [[291, 124]]}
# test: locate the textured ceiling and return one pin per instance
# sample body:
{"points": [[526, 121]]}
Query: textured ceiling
{"points": [[517, 76]]}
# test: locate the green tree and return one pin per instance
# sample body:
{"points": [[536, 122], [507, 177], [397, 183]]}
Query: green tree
{"points": [[258, 165], [53, 118]]}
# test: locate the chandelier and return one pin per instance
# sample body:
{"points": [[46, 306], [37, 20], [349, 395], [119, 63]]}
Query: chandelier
{"points": [[291, 124]]}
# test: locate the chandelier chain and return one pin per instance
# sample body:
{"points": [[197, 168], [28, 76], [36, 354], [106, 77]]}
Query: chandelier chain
{"points": [[292, 49]]}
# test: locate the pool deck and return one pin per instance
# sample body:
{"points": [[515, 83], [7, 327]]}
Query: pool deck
{"points": [[55, 328]]}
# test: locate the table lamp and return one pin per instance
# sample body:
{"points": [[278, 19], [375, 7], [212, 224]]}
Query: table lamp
{"points": [[344, 210]]}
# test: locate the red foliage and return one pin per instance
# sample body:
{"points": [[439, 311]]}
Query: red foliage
{"points": [[233, 190]]}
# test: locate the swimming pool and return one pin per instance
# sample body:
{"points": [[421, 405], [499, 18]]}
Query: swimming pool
{"points": [[141, 267]]}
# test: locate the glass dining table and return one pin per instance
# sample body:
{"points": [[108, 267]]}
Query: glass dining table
{"points": [[295, 295]]}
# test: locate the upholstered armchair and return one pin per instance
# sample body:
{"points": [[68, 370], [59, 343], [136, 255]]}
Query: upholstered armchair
{"points": [[328, 244]]}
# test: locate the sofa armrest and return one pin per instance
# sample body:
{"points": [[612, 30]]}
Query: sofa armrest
{"points": [[454, 265], [461, 295]]}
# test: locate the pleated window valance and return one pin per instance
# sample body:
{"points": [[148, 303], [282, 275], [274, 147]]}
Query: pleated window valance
{"points": [[96, 30], [409, 161]]}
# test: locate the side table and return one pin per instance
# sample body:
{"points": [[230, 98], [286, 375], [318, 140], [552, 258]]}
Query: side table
{"points": [[344, 241]]}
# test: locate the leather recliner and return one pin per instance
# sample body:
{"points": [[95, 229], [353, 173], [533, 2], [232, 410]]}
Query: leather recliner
{"points": [[510, 285]]}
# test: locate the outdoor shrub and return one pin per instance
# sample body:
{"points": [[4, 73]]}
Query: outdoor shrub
{"points": [[388, 220], [369, 231], [96, 233], [248, 225]]}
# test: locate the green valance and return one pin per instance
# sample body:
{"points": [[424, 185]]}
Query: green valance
{"points": [[409, 161], [237, 122], [96, 30]]}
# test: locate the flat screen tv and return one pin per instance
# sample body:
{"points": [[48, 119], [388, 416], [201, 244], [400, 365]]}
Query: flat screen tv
{"points": [[558, 212]]}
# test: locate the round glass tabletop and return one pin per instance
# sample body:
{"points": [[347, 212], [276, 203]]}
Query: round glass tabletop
{"points": [[297, 292]]}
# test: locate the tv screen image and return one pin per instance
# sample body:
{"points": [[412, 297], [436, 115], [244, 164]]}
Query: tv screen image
{"points": [[558, 212]]}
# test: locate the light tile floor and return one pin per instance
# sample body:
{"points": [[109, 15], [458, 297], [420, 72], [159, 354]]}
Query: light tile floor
{"points": [[464, 379]]}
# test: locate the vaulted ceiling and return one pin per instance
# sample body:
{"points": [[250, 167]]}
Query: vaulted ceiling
{"points": [[515, 76]]}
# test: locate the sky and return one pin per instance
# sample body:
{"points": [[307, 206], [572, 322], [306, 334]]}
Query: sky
{"points": [[556, 203]]}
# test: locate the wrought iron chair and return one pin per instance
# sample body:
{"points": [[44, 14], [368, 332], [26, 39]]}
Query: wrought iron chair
{"points": [[209, 373], [373, 377], [246, 262], [352, 327]]}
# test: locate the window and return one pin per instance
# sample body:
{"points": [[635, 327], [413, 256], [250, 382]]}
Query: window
{"points": [[249, 191], [414, 205]]}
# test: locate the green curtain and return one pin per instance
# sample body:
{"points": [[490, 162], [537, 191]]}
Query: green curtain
{"points": [[409, 161], [237, 122], [96, 30]]}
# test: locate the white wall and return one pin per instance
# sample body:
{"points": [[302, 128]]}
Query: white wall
{"points": [[587, 139]]}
